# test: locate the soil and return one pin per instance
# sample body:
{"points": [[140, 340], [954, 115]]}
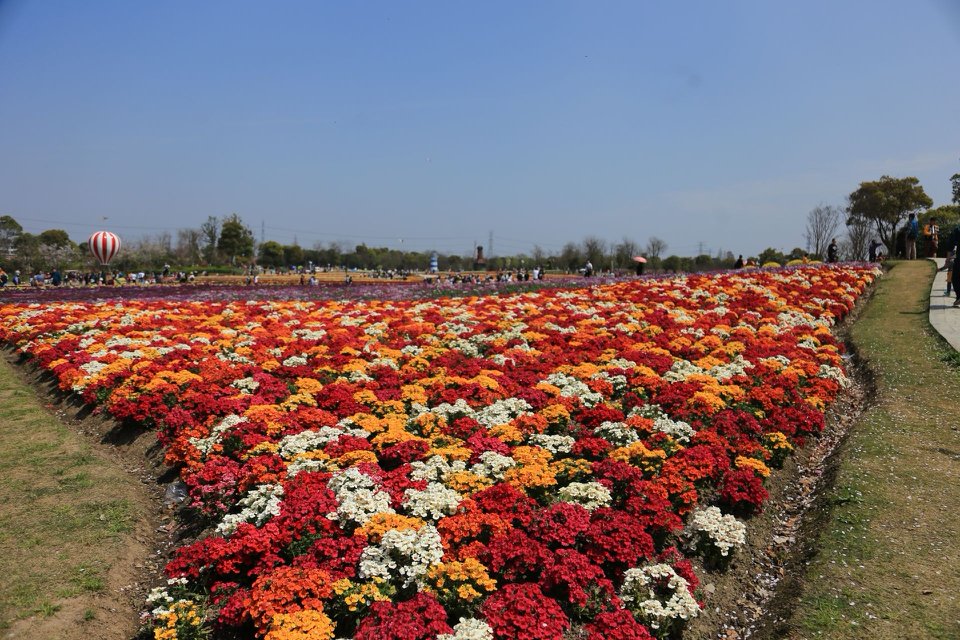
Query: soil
{"points": [[112, 613]]}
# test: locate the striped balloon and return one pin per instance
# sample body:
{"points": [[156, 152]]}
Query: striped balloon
{"points": [[104, 246]]}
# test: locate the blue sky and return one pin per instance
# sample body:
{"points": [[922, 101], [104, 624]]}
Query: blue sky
{"points": [[430, 125]]}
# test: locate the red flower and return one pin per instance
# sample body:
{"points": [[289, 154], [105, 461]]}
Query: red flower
{"points": [[522, 611]]}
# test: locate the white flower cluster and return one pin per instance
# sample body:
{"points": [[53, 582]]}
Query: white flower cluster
{"points": [[403, 556], [589, 495], [724, 531], [376, 329], [493, 465], [160, 598], [469, 629], [435, 468], [571, 387], [228, 422], [553, 444], [680, 370], [677, 429], [299, 443], [736, 367], [295, 361], [352, 321], [616, 433], [619, 382], [230, 356], [500, 412], [621, 363], [246, 385], [640, 590], [555, 327], [778, 362], [432, 503], [358, 496], [834, 373], [258, 506], [466, 347], [793, 318]]}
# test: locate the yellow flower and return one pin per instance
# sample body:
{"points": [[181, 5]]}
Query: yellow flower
{"points": [[639, 456], [758, 467]]}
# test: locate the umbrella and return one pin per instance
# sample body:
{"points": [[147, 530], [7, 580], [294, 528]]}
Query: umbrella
{"points": [[639, 259]]}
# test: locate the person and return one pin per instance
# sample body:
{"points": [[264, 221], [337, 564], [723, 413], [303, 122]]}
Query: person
{"points": [[639, 268], [588, 269], [739, 263], [948, 267], [913, 230], [874, 245], [953, 243], [832, 251], [933, 237]]}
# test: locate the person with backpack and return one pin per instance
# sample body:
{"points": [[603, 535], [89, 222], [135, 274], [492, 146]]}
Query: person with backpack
{"points": [[913, 230]]}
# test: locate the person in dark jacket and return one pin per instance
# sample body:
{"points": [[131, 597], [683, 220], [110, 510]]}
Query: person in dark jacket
{"points": [[953, 244], [832, 251]]}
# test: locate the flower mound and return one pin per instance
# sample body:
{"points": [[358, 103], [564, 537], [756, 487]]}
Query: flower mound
{"points": [[519, 465]]}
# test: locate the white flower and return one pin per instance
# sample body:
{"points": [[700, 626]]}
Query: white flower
{"points": [[493, 465], [432, 503], [469, 629], [358, 496], [403, 556], [204, 445], [657, 595], [553, 444], [590, 495], [258, 506], [616, 433], [724, 531]]}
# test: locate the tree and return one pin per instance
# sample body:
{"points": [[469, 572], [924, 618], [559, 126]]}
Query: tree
{"points": [[595, 251], [210, 231], [859, 232], [571, 258], [672, 263], [292, 255], [624, 251], [236, 239], [10, 230], [822, 224], [55, 238], [188, 246], [955, 183], [771, 255], [270, 254], [655, 247], [886, 202]]}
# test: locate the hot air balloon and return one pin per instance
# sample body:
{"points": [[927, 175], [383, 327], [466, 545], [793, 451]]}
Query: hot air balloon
{"points": [[104, 245]]}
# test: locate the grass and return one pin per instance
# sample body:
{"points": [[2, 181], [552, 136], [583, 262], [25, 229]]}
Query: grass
{"points": [[63, 510], [888, 565]]}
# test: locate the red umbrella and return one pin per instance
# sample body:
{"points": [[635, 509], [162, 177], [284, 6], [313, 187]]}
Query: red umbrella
{"points": [[639, 259]]}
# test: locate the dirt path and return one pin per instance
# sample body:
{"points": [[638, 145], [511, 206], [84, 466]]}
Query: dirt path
{"points": [[80, 518]]}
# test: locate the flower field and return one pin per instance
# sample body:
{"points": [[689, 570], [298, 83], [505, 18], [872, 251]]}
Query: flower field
{"points": [[550, 463]]}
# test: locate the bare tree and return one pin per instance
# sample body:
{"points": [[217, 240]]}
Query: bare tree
{"points": [[595, 251], [624, 251], [655, 246], [859, 230], [188, 246], [822, 224]]}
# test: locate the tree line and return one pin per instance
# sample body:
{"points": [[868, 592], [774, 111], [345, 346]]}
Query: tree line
{"points": [[875, 210]]}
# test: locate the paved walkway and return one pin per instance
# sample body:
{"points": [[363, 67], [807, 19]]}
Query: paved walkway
{"points": [[944, 318]]}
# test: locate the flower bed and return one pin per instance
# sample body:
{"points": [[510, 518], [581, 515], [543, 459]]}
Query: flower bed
{"points": [[524, 465]]}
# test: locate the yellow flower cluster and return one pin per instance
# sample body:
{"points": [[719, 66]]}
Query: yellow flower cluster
{"points": [[757, 466], [464, 581], [639, 456], [308, 624], [180, 622]]}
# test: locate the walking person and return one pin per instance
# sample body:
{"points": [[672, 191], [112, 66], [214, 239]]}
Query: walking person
{"points": [[913, 230], [832, 251], [948, 267], [933, 237], [953, 244]]}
